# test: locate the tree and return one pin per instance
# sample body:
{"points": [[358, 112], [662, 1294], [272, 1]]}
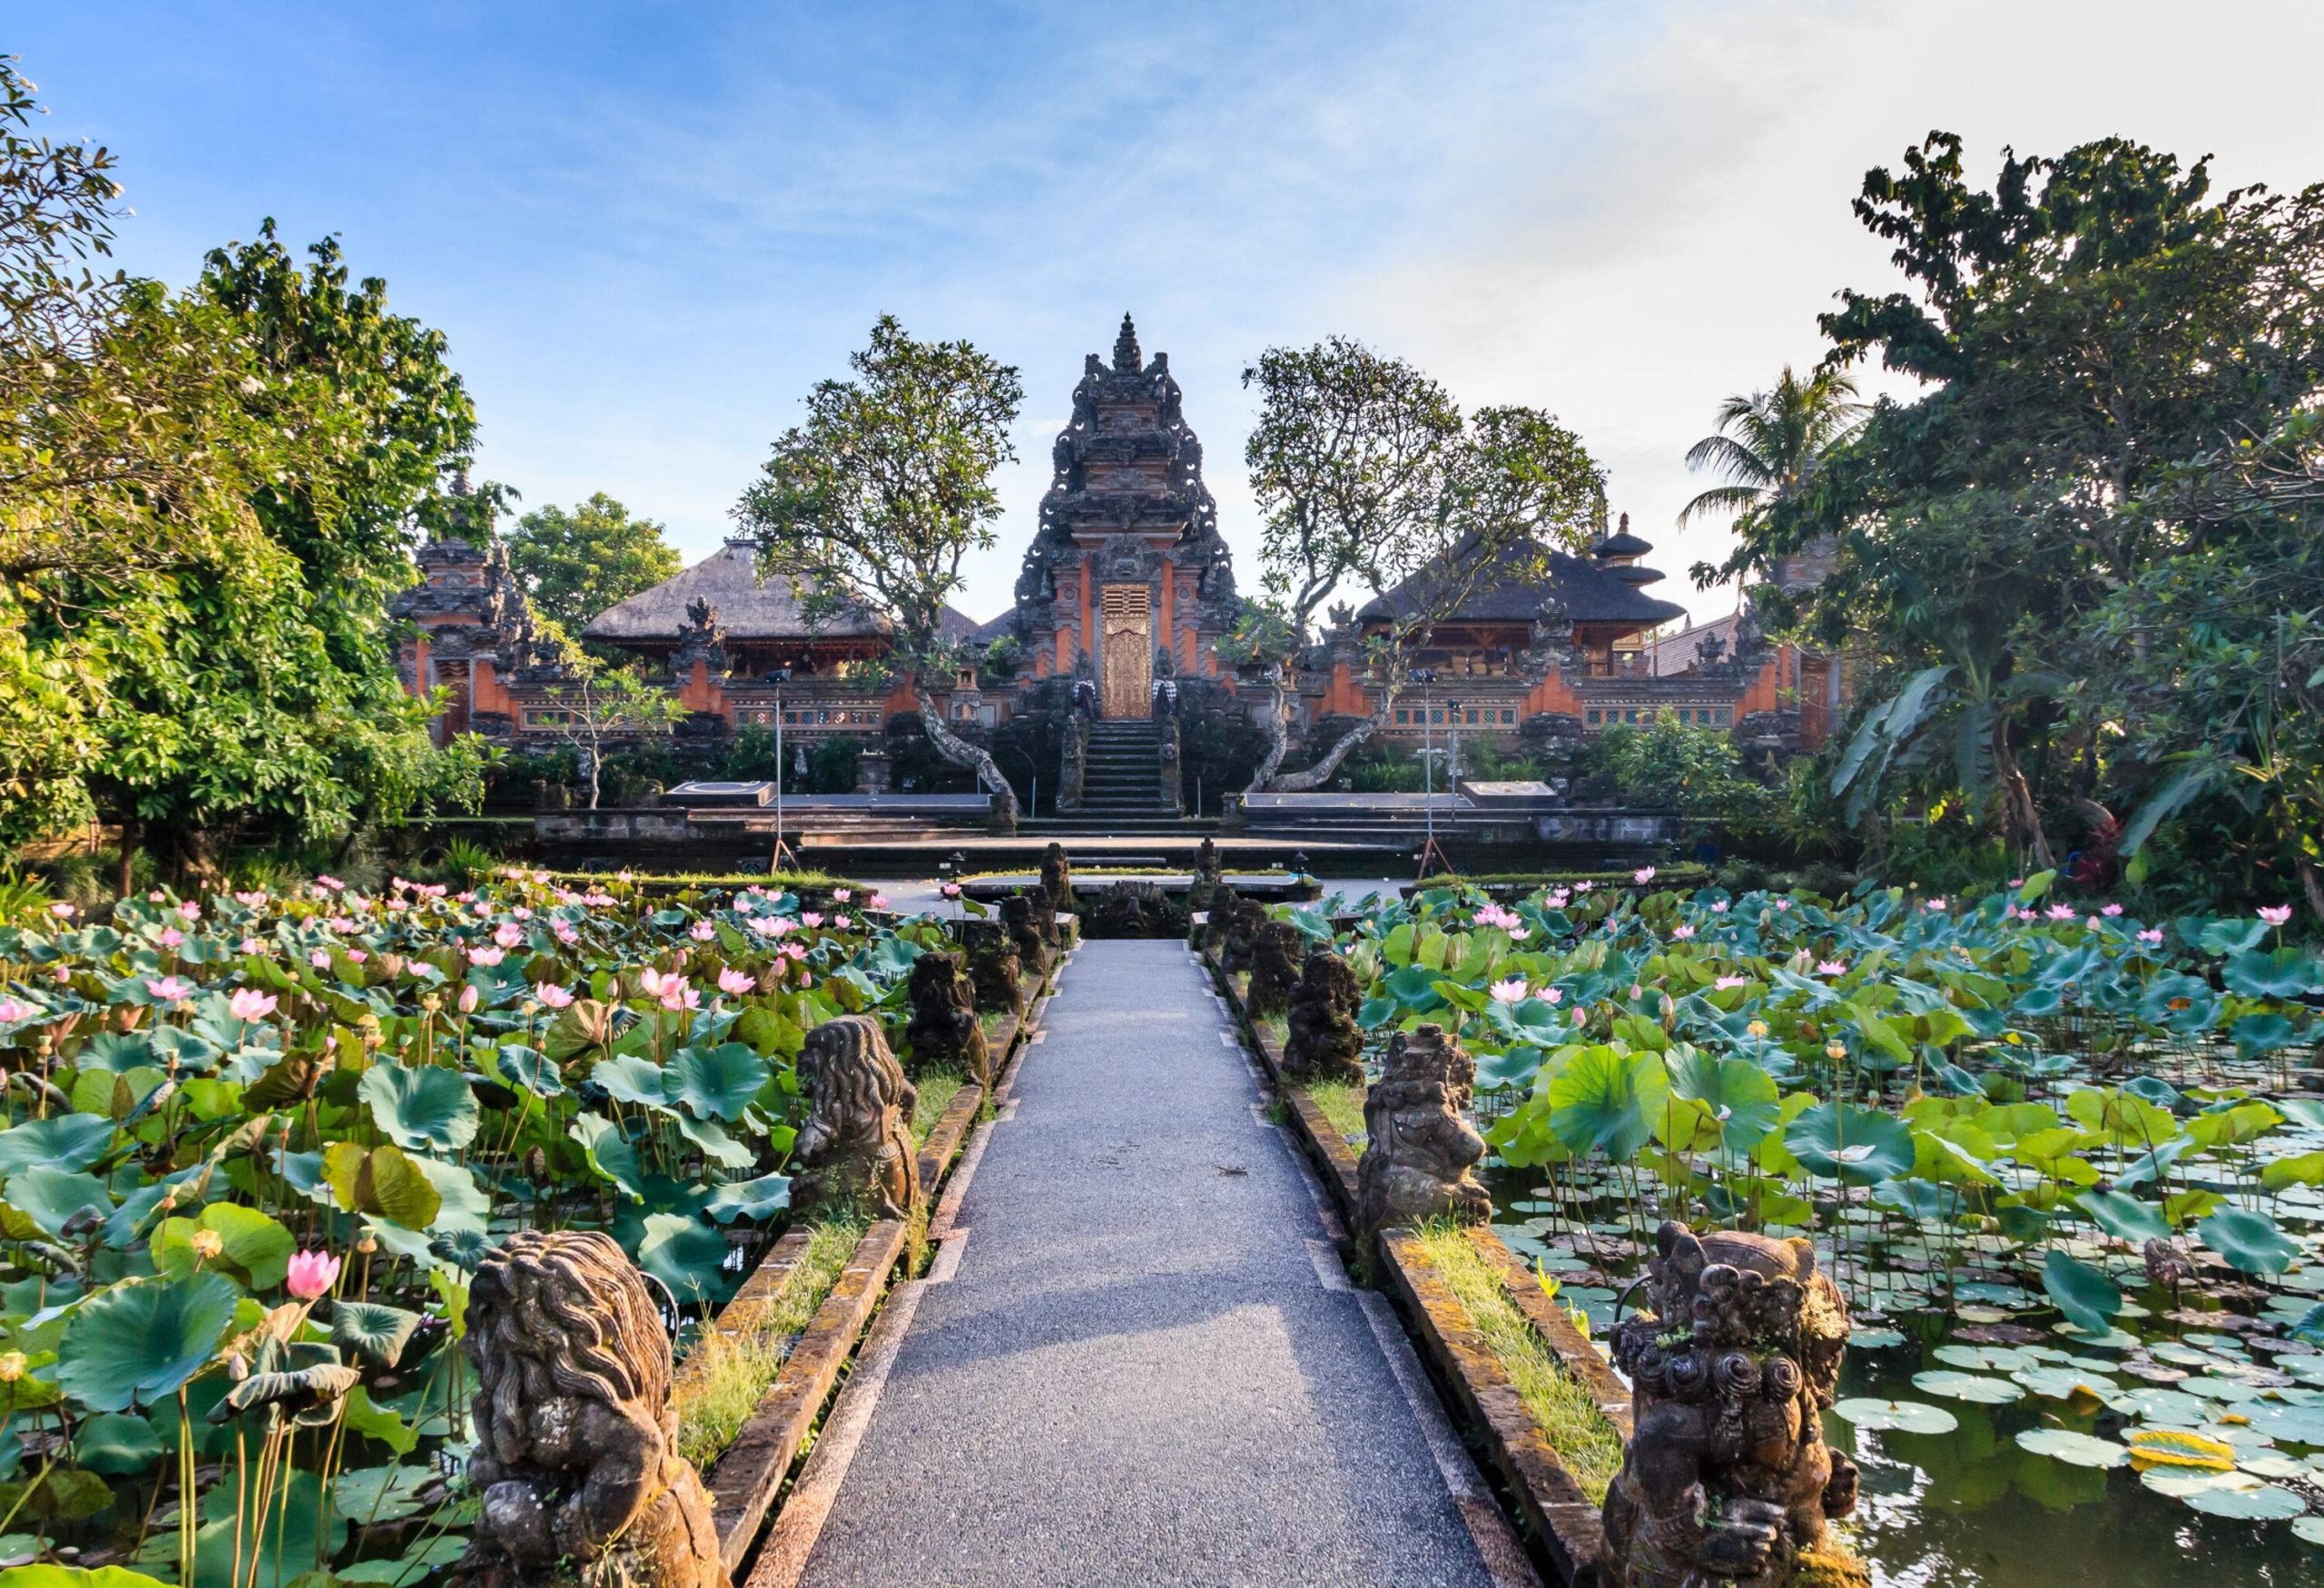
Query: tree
{"points": [[2085, 328], [1768, 444], [1368, 475], [575, 565], [871, 504], [595, 706]]}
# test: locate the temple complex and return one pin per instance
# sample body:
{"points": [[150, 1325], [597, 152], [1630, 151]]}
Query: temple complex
{"points": [[1125, 589]]}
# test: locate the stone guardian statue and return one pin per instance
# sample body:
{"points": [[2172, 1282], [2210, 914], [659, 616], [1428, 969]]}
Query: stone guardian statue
{"points": [[856, 1146], [1420, 1151], [945, 1032]]}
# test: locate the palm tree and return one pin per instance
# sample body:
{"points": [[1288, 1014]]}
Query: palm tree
{"points": [[1769, 443]]}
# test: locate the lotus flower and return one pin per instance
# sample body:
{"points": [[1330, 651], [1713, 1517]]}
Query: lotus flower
{"points": [[2275, 915], [171, 937], [1682, 931], [62, 910], [508, 934], [551, 995], [250, 1003], [1718, 906], [312, 1274], [1935, 906], [811, 919], [1583, 887], [1724, 983], [468, 999], [1552, 995], [13, 1009], [320, 958], [2152, 934], [1510, 991], [190, 910], [703, 932], [356, 955], [842, 895], [876, 901], [2110, 909], [649, 981], [950, 890], [841, 923], [249, 945], [1643, 875], [169, 988], [678, 995], [330, 885], [1832, 967], [1782, 906], [252, 900], [734, 984], [486, 957], [2062, 912]]}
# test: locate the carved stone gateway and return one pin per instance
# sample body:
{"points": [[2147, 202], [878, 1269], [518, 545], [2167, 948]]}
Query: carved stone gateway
{"points": [[856, 1146], [945, 1032], [1727, 1478], [576, 1453], [1324, 1042], [1275, 969], [1419, 1151]]}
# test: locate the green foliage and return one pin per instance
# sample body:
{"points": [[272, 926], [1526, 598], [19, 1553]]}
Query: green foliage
{"points": [[1666, 762], [575, 565]]}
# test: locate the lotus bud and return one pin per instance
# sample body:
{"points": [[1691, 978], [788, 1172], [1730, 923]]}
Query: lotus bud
{"points": [[467, 998], [12, 1366]]}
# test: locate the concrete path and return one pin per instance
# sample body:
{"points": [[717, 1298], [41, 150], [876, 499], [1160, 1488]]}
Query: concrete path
{"points": [[1136, 1358]]}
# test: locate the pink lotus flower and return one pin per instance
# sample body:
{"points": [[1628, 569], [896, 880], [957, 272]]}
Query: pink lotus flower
{"points": [[157, 897], [13, 1009], [567, 932], [331, 884], [950, 890], [169, 988], [311, 1275], [649, 981], [250, 1003], [841, 923], [250, 901], [2110, 909], [62, 910], [2152, 934], [765, 926], [249, 945], [508, 934], [522, 912], [486, 957], [1519, 934], [356, 955], [1782, 906], [1832, 967], [1557, 900], [1718, 906], [811, 919], [320, 958], [734, 984], [1724, 983], [876, 901], [2275, 915], [1644, 875], [2061, 912], [64, 974], [171, 937], [842, 894], [2017, 882], [1510, 991], [1583, 887], [678, 995], [796, 950], [1935, 906], [1551, 995], [703, 932], [551, 995], [1682, 931], [190, 910]]}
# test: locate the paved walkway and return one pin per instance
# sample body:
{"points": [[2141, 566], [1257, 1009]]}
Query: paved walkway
{"points": [[1136, 1358]]}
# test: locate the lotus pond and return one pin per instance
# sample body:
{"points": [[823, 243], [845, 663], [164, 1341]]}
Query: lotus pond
{"points": [[2064, 1162], [255, 1147]]}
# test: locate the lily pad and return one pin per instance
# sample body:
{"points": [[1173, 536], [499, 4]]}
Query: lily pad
{"points": [[1873, 1414], [2077, 1449], [1978, 1389]]}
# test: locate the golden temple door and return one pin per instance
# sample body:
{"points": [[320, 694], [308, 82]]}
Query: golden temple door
{"points": [[1127, 657]]}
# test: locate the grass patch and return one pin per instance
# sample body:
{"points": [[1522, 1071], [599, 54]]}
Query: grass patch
{"points": [[1584, 1440], [937, 1090], [728, 1374], [1341, 1104]]}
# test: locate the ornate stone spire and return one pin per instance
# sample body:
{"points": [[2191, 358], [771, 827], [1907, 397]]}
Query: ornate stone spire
{"points": [[1126, 354]]}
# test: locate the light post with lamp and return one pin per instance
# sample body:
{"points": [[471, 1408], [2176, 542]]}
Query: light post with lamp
{"points": [[778, 678], [1426, 678]]}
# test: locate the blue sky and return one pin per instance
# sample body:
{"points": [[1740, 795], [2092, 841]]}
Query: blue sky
{"points": [[648, 229]]}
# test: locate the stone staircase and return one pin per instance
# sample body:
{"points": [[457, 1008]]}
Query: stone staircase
{"points": [[1121, 778]]}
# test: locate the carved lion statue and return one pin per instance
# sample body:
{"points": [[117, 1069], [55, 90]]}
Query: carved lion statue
{"points": [[944, 1029], [1728, 1477], [856, 1145], [1419, 1151], [576, 1452], [1324, 1042]]}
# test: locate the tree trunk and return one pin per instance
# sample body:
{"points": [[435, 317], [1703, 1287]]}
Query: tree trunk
{"points": [[131, 828], [2020, 819], [1300, 782], [961, 753], [1278, 737], [2310, 885]]}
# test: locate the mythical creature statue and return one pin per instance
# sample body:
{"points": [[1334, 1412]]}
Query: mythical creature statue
{"points": [[856, 1145], [1727, 1478], [1419, 1149], [1243, 923], [1057, 878], [1224, 903], [1275, 969], [945, 1031], [1022, 916], [992, 960], [1205, 882], [1324, 1043], [576, 1453]]}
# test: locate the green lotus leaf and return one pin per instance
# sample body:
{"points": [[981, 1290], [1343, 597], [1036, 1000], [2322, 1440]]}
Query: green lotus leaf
{"points": [[2257, 1502], [255, 1247], [372, 1330], [2077, 1449], [2250, 1241], [383, 1181], [687, 1255], [2089, 1299], [1856, 1146], [583, 1026], [610, 1153], [51, 1198], [531, 1070], [1977, 1389], [631, 1077], [117, 1443], [1873, 1414], [135, 1343], [1744, 1098], [2285, 972], [715, 1083], [51, 1576], [1608, 1100], [421, 1108], [755, 1199], [69, 1141], [2123, 1217], [380, 1494]]}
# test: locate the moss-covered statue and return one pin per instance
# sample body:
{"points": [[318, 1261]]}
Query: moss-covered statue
{"points": [[1419, 1151], [1275, 969], [945, 1033], [856, 1147], [1324, 1041], [577, 1441], [998, 974], [1022, 916], [1727, 1478], [1057, 879]]}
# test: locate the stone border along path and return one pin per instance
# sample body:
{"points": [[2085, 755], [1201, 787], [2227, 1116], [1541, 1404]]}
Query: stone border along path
{"points": [[1135, 1357]]}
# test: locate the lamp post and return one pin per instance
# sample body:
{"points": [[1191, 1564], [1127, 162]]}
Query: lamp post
{"points": [[1426, 678], [778, 678], [1453, 756]]}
